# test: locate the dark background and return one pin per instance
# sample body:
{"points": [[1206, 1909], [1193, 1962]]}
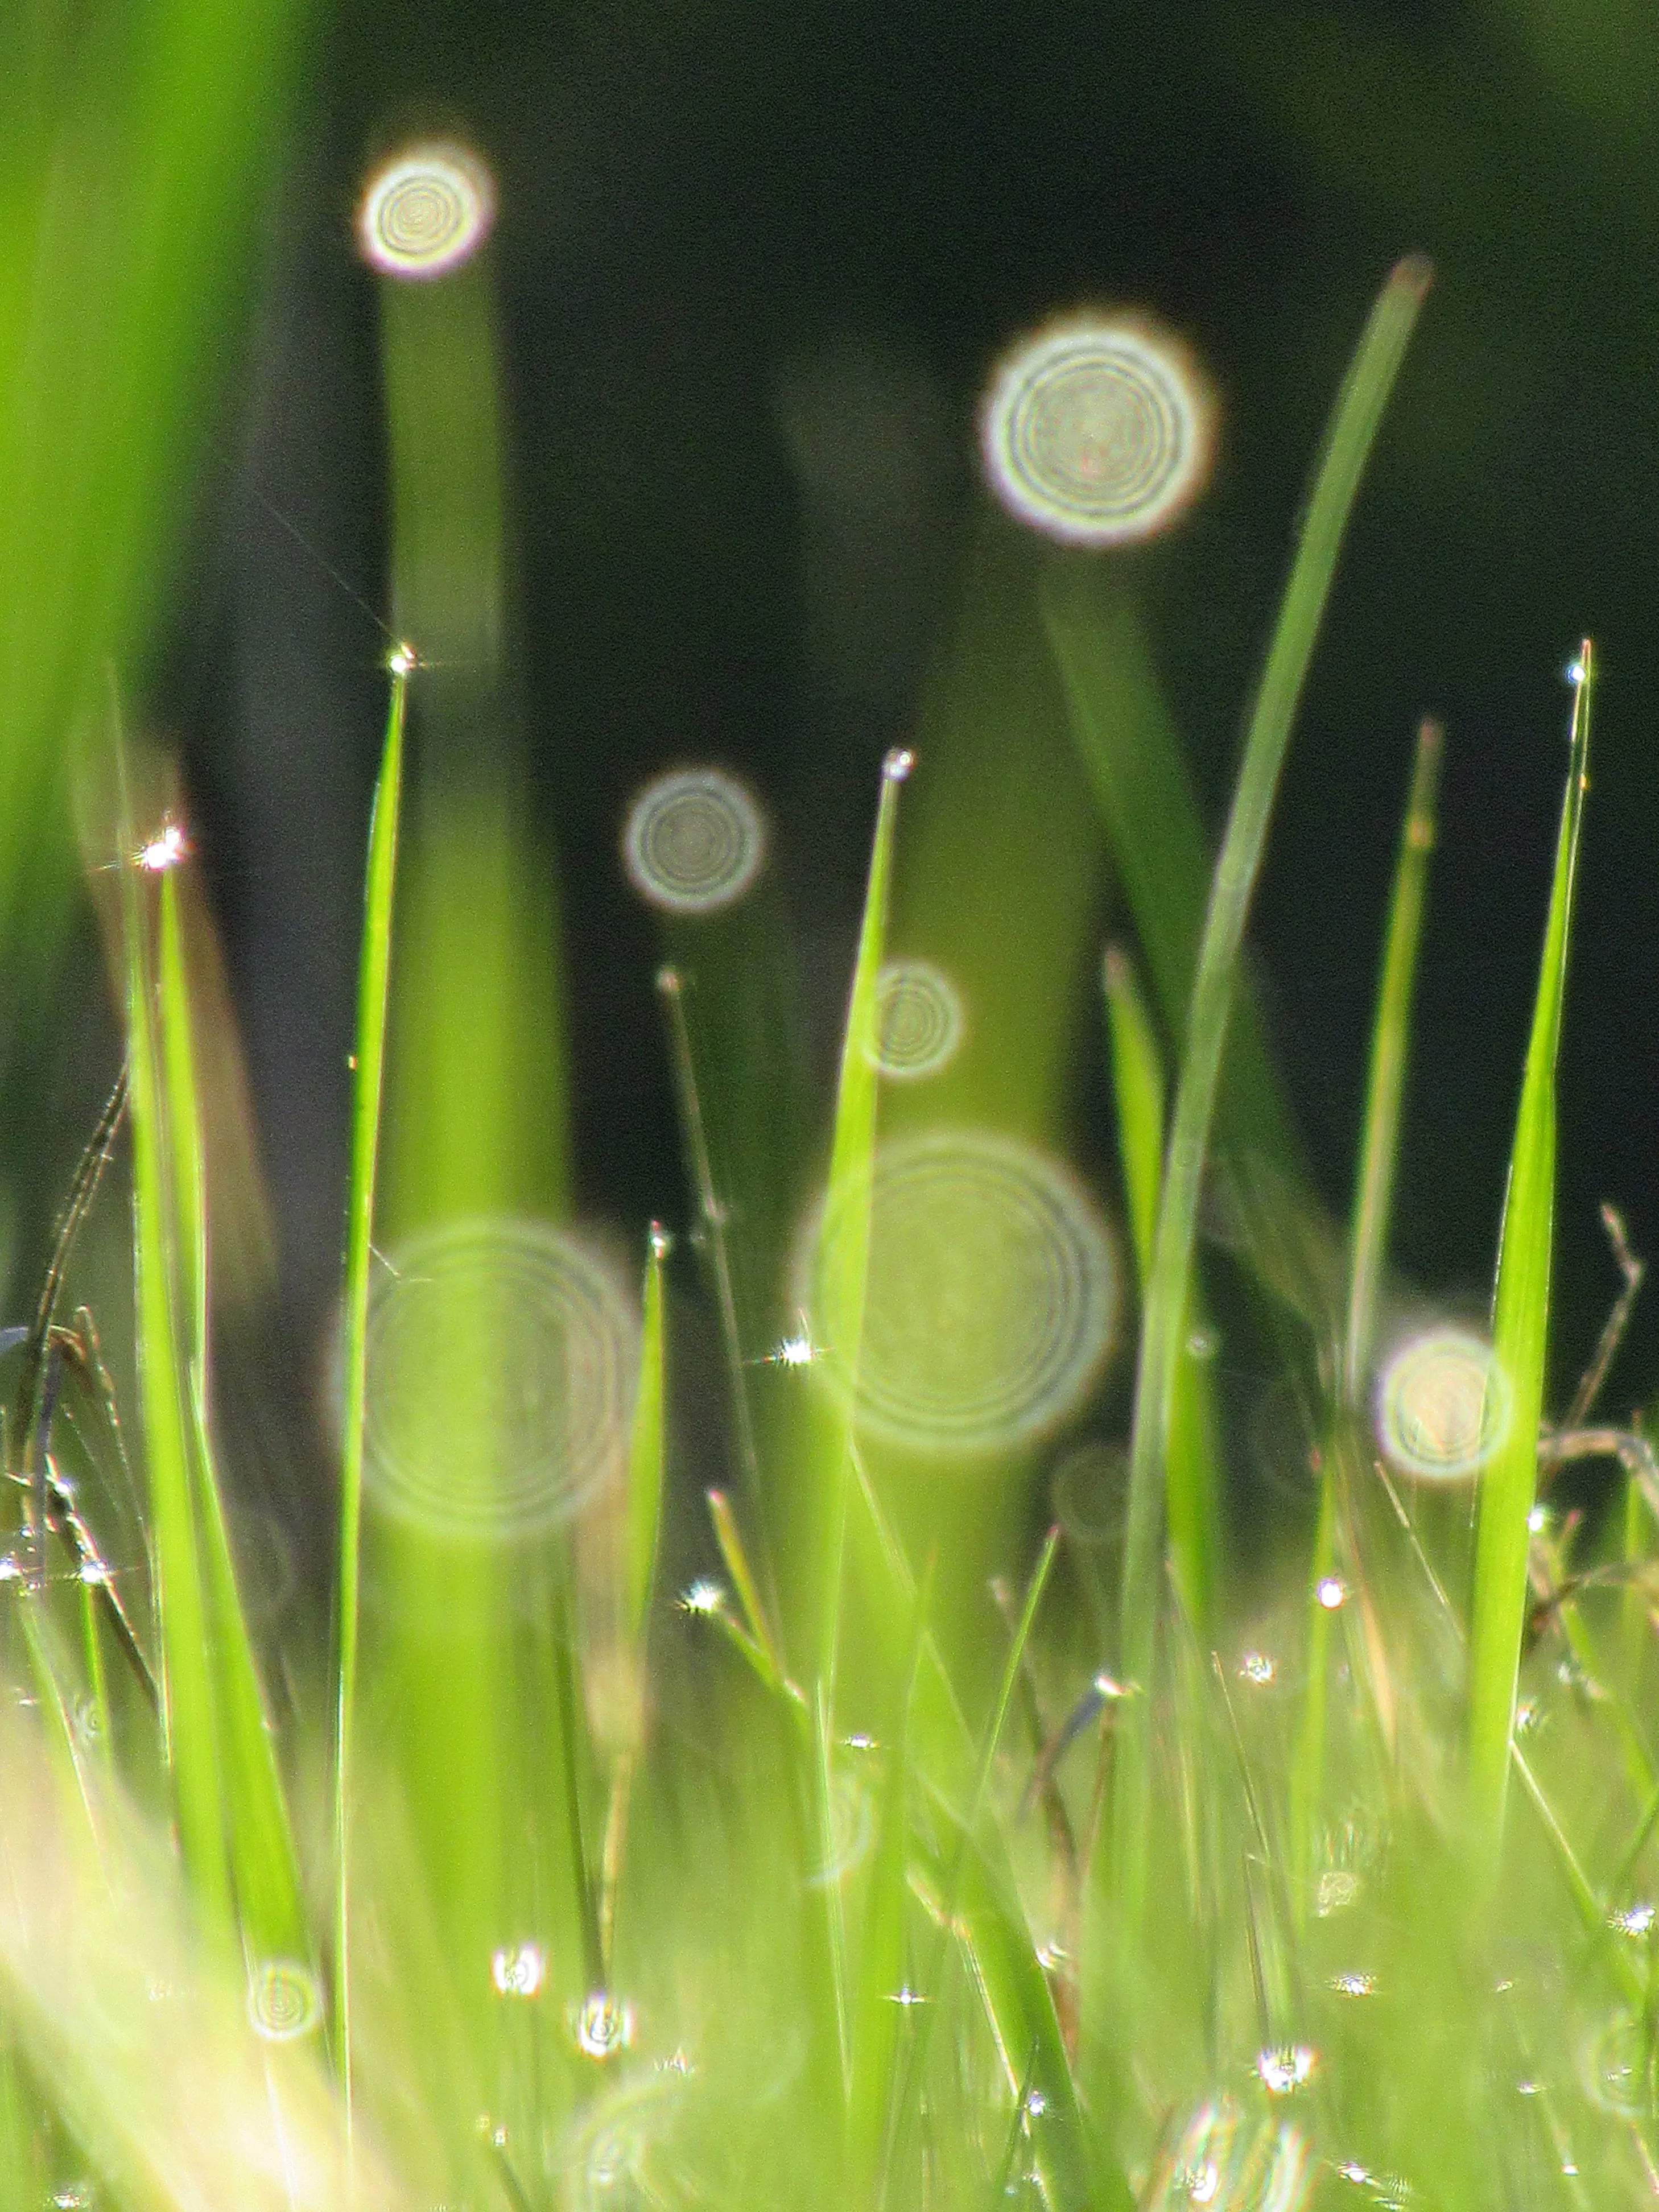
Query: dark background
{"points": [[724, 227]]}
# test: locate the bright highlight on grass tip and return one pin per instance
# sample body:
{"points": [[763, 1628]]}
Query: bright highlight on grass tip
{"points": [[992, 1299], [1442, 1405], [426, 210], [168, 849], [919, 1020], [693, 842], [1098, 430], [603, 2026]]}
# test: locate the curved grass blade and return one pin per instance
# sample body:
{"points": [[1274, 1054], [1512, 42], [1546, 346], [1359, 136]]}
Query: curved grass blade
{"points": [[1520, 1332], [374, 970], [1353, 426]]}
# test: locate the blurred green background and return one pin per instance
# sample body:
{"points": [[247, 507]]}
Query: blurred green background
{"points": [[750, 267]]}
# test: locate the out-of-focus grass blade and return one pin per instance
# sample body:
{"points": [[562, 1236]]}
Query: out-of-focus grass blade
{"points": [[1139, 1088], [373, 974], [190, 1725], [1379, 1148], [1353, 426], [255, 1818], [879, 2016], [729, 1537], [848, 1203], [1130, 749], [1519, 1331]]}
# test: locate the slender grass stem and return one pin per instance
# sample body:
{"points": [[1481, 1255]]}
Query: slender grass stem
{"points": [[1353, 427], [1379, 1149]]}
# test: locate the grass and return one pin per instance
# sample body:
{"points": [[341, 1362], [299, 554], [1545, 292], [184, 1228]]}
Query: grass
{"points": [[838, 1833]]}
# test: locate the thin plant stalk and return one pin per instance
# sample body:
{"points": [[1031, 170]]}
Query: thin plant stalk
{"points": [[369, 1075], [1379, 1149], [1379, 1152], [1353, 427], [1520, 1330]]}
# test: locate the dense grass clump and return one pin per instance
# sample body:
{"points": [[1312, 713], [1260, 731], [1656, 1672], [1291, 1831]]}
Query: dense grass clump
{"points": [[936, 1803]]}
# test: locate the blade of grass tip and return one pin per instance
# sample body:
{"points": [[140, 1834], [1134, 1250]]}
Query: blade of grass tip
{"points": [[1379, 1150], [264, 1870], [368, 1066], [1520, 1330], [1192, 1488], [189, 1726], [1353, 427], [849, 1195]]}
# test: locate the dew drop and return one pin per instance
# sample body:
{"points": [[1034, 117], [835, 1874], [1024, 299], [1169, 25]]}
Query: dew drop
{"points": [[502, 1362], [1332, 1592], [918, 1020], [519, 1970], [1283, 2067], [693, 842], [1259, 1667], [991, 1296], [603, 2026], [1097, 430], [1442, 1405], [425, 211], [283, 2002]]}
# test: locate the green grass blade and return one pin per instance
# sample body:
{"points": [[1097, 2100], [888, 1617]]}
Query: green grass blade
{"points": [[189, 1724], [1130, 752], [1379, 1149], [373, 977], [1520, 1331], [1379, 1146], [263, 1873], [1353, 426], [848, 1200], [645, 1449], [1138, 1089]]}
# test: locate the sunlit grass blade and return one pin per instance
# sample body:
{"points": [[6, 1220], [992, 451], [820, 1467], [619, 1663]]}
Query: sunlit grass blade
{"points": [[189, 1722], [368, 1081], [260, 1848], [1520, 1333], [1353, 426], [1379, 1146], [848, 1202]]}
